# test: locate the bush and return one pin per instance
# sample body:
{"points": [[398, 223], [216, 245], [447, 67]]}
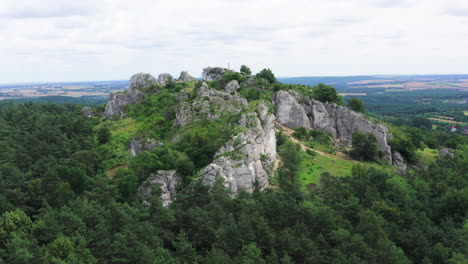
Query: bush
{"points": [[311, 152], [325, 93], [244, 70], [364, 147], [268, 75], [356, 105]]}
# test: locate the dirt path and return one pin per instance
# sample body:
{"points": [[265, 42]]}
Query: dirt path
{"points": [[289, 132]]}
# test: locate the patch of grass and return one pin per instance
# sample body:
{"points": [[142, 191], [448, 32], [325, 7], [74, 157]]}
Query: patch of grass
{"points": [[427, 155], [116, 151]]}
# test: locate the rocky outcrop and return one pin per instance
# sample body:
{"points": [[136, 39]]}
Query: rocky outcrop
{"points": [[213, 74], [117, 101], [232, 86], [142, 81], [166, 180], [208, 105], [88, 111], [288, 111], [164, 78], [399, 161], [185, 77], [247, 159], [337, 121], [137, 146], [446, 153]]}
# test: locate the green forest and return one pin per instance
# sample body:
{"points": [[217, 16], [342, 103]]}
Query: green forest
{"points": [[68, 188]]}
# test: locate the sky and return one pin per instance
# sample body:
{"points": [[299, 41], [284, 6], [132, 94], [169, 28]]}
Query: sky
{"points": [[84, 40]]}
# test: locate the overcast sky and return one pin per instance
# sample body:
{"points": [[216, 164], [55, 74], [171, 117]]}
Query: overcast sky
{"points": [[78, 40]]}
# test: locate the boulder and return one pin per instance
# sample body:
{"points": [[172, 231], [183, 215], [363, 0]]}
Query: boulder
{"points": [[208, 105], [232, 86], [88, 111], [164, 78], [166, 180], [446, 153], [116, 102], [213, 74], [142, 81], [289, 112], [399, 161], [137, 146], [247, 159], [335, 120], [185, 77]]}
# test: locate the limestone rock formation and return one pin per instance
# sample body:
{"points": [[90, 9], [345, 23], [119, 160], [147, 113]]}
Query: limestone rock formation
{"points": [[208, 105], [337, 121], [446, 153], [248, 157], [288, 111], [232, 86], [141, 81], [213, 74], [164, 78], [88, 111], [185, 77], [399, 161], [167, 180], [137, 146], [116, 102]]}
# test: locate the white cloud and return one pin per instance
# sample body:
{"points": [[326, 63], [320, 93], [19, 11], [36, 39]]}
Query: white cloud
{"points": [[50, 40]]}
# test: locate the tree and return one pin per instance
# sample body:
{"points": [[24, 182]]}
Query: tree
{"points": [[244, 70], [420, 122], [325, 93], [268, 75], [103, 135], [364, 146], [14, 224], [356, 105]]}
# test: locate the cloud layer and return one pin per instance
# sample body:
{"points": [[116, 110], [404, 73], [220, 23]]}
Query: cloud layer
{"points": [[64, 40]]}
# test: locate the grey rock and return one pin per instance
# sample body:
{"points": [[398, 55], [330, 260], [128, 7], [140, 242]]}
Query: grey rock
{"points": [[116, 102], [137, 146], [164, 78], [248, 157], [182, 96], [208, 105], [167, 180], [185, 77], [141, 81], [335, 120], [289, 112], [213, 74], [446, 153], [88, 111], [232, 86], [399, 161], [251, 81]]}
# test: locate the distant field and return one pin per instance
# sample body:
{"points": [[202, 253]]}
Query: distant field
{"points": [[75, 89]]}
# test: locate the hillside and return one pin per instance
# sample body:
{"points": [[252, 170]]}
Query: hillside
{"points": [[234, 168]]}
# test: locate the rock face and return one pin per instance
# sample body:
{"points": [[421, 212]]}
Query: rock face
{"points": [[185, 77], [141, 81], [399, 161], [164, 78], [167, 180], [337, 121], [446, 153], [137, 146], [248, 157], [116, 102], [87, 111], [208, 105], [213, 74], [288, 111], [232, 86]]}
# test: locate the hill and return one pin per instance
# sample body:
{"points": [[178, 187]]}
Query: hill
{"points": [[236, 168]]}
